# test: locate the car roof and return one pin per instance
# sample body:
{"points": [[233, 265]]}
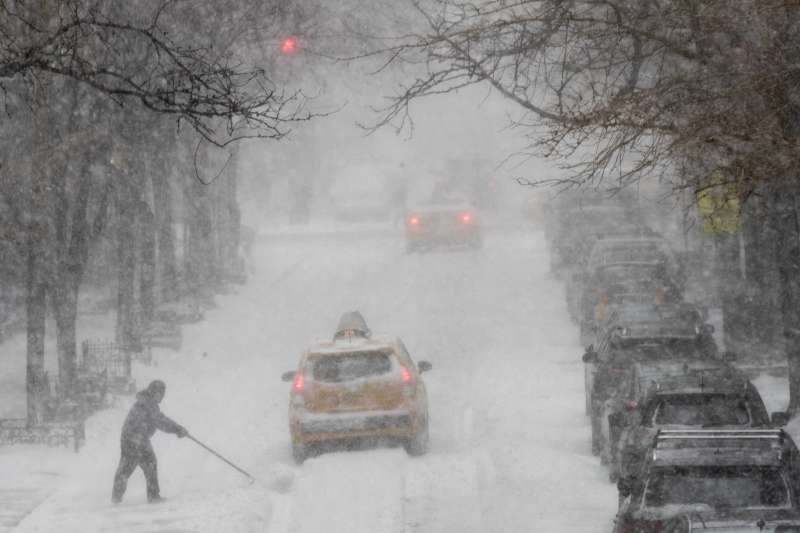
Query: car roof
{"points": [[715, 447], [671, 380], [352, 344], [655, 320]]}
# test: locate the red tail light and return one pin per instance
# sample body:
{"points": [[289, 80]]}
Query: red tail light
{"points": [[405, 374], [631, 406], [299, 382], [413, 220], [466, 218]]}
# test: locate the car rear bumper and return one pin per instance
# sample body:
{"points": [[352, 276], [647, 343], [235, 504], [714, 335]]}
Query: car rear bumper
{"points": [[317, 427], [452, 236]]}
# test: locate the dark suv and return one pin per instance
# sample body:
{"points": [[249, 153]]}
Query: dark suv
{"points": [[725, 480], [678, 395], [610, 286], [640, 333]]}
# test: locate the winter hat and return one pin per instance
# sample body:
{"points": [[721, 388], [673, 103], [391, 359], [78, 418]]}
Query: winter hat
{"points": [[156, 386]]}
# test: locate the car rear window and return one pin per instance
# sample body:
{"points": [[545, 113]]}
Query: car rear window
{"points": [[717, 486], [350, 366], [706, 410]]}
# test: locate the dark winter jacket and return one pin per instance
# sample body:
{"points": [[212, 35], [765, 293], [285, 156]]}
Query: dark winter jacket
{"points": [[145, 418]]}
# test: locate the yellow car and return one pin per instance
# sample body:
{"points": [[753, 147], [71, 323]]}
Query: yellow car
{"points": [[357, 387]]}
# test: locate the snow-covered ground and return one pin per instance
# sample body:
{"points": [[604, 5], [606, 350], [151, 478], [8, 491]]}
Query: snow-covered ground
{"points": [[509, 441]]}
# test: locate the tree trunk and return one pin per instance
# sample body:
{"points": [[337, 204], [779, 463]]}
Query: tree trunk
{"points": [[37, 387], [65, 303], [199, 248], [785, 216], [165, 238], [127, 330], [147, 280]]}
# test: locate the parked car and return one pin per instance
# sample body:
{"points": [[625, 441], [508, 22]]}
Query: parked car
{"points": [[636, 333], [577, 228], [357, 387], [643, 249], [614, 285], [727, 479], [633, 331], [677, 395]]}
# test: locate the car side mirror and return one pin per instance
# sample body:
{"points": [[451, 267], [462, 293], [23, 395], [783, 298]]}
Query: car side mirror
{"points": [[590, 357], [779, 418], [424, 366], [288, 376]]}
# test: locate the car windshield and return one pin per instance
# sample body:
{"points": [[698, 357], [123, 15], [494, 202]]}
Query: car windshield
{"points": [[646, 349], [648, 313], [718, 486], [705, 410], [350, 366], [648, 252]]}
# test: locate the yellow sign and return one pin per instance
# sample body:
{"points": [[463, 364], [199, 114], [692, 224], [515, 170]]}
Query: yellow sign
{"points": [[719, 207]]}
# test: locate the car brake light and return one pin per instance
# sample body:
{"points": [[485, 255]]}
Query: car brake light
{"points": [[631, 406], [299, 382], [466, 218], [405, 374], [413, 221]]}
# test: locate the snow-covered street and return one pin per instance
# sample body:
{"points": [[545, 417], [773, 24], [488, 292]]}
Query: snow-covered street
{"points": [[509, 442]]}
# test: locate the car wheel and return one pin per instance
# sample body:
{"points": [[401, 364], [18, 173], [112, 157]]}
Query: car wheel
{"points": [[597, 437], [613, 473], [587, 333], [587, 390], [418, 444], [299, 453]]}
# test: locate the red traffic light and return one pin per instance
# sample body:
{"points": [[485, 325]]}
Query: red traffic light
{"points": [[289, 45]]}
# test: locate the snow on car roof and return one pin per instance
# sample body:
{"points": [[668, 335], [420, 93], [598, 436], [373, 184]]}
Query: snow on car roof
{"points": [[690, 377], [351, 344], [703, 446]]}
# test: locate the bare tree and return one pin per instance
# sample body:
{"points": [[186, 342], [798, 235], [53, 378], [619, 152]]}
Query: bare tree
{"points": [[619, 89], [75, 71]]}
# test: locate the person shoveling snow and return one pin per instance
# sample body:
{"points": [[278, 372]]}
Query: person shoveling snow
{"points": [[142, 421]]}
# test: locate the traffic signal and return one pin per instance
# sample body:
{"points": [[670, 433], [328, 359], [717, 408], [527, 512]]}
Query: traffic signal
{"points": [[289, 45]]}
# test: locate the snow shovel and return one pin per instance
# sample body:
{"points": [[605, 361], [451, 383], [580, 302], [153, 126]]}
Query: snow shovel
{"points": [[250, 478]]}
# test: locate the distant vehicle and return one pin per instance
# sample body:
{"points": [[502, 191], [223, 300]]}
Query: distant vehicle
{"points": [[723, 480], [357, 387], [644, 250], [443, 222], [647, 249], [575, 229], [677, 395], [637, 333], [609, 286], [362, 193]]}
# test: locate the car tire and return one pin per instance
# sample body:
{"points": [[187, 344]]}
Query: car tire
{"points": [[587, 390], [418, 444], [587, 333], [613, 474], [299, 453], [597, 437]]}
